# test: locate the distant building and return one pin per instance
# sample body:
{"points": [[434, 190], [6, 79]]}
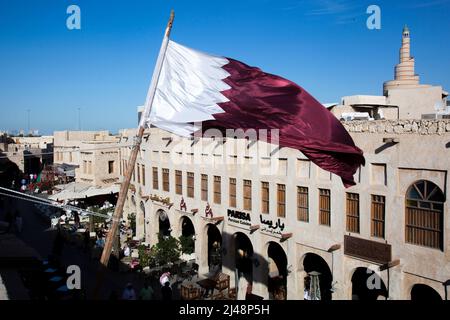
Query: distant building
{"points": [[91, 156], [403, 98], [30, 154]]}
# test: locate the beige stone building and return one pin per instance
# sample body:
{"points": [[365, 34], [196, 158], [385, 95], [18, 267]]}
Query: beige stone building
{"points": [[403, 98], [271, 216], [94, 154], [30, 154]]}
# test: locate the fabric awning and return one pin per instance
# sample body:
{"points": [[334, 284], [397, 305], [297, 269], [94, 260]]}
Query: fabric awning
{"points": [[77, 190], [67, 169]]}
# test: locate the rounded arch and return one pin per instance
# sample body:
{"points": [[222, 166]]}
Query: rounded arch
{"points": [[243, 253], [243, 245], [277, 271], [164, 223], [187, 226], [318, 273], [367, 285], [243, 261], [187, 235], [425, 293], [140, 220], [142, 212], [214, 246], [424, 210]]}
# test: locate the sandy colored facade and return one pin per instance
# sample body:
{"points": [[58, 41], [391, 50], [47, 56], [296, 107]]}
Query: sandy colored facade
{"points": [[282, 223], [30, 154], [390, 171], [95, 153]]}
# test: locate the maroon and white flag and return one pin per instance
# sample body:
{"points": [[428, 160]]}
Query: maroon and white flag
{"points": [[195, 87]]}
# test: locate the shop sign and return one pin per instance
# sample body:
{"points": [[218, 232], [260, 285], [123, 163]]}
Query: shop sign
{"points": [[238, 217], [374, 251], [272, 227]]}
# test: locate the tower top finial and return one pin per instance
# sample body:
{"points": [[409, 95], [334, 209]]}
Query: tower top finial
{"points": [[405, 29]]}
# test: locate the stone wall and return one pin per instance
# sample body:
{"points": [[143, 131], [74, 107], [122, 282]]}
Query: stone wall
{"points": [[423, 127]]}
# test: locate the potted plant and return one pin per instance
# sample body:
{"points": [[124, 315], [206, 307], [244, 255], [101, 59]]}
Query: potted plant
{"points": [[167, 250], [187, 245]]}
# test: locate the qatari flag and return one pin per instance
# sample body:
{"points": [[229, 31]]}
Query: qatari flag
{"points": [[195, 87]]}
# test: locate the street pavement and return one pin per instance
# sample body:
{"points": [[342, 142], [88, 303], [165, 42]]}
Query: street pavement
{"points": [[36, 233]]}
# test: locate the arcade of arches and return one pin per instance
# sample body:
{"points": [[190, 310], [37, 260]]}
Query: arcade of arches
{"points": [[367, 285], [277, 276], [424, 293], [318, 278], [140, 221], [242, 257], [187, 235], [187, 227], [214, 239], [165, 229], [243, 261]]}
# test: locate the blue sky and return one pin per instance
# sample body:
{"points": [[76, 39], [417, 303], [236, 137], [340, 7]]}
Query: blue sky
{"points": [[105, 68]]}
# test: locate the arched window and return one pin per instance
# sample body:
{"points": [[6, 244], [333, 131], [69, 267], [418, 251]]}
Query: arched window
{"points": [[424, 214]]}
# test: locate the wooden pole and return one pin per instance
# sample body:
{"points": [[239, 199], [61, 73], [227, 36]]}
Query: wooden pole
{"points": [[132, 161]]}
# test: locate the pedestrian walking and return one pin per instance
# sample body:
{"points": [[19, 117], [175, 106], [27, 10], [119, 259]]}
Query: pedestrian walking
{"points": [[128, 292], [126, 251], [100, 243], [86, 240], [146, 292], [165, 277], [166, 292], [76, 219]]}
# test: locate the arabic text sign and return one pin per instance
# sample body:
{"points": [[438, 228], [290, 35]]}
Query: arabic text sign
{"points": [[272, 227]]}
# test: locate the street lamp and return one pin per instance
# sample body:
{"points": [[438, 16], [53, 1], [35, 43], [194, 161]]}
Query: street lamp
{"points": [[28, 111], [79, 119], [446, 284], [331, 250], [386, 267]]}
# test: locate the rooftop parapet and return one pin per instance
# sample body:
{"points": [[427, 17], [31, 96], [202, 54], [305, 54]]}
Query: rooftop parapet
{"points": [[423, 127]]}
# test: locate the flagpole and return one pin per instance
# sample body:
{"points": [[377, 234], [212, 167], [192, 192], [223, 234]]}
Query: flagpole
{"points": [[132, 161]]}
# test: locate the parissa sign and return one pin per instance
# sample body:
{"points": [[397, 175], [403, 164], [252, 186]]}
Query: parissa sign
{"points": [[239, 217]]}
